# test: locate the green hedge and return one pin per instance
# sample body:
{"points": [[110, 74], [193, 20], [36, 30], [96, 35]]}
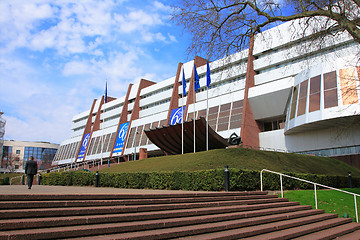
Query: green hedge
{"points": [[205, 180]]}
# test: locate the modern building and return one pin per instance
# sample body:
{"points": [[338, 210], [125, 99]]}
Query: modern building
{"points": [[16, 153], [284, 93]]}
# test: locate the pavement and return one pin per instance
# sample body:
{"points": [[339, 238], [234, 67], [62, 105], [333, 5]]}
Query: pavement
{"points": [[58, 190]]}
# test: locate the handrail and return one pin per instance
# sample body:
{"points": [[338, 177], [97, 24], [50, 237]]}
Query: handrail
{"points": [[315, 187]]}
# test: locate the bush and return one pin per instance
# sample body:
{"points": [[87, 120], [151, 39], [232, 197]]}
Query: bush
{"points": [[204, 180]]}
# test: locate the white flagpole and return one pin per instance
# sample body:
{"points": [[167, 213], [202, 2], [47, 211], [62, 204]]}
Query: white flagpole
{"points": [[194, 121], [182, 124], [207, 124], [182, 112]]}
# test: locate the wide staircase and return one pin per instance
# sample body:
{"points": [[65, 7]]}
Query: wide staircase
{"points": [[198, 215]]}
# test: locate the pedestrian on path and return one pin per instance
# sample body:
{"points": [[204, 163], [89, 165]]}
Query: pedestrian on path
{"points": [[30, 170]]}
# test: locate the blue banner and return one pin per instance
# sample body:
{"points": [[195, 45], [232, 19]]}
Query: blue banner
{"points": [[119, 145], [177, 115], [84, 146]]}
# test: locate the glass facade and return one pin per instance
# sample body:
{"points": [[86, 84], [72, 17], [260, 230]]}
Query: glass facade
{"points": [[44, 156]]}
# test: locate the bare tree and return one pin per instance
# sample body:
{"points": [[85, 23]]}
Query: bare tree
{"points": [[222, 27]]}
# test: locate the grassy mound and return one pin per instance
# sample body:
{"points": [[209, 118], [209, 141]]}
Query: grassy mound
{"points": [[239, 158]]}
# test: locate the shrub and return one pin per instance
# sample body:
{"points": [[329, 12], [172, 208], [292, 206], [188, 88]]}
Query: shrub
{"points": [[204, 180]]}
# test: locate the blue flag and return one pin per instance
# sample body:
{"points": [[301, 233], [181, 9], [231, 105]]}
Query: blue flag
{"points": [[197, 80], [106, 92], [208, 80], [184, 84]]}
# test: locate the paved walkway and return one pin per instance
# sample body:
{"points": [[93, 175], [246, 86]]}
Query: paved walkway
{"points": [[53, 190]]}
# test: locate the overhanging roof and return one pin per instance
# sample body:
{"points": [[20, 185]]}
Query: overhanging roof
{"points": [[168, 138]]}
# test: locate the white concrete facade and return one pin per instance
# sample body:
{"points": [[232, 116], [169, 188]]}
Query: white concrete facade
{"points": [[306, 122]]}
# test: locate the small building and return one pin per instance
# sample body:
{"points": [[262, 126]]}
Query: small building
{"points": [[16, 153]]}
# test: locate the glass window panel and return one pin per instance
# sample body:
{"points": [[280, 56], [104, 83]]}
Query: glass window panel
{"points": [[223, 126], [98, 145], [301, 107], [154, 125], [315, 84], [223, 120], [238, 104], [314, 103], [236, 111], [348, 86], [212, 123], [130, 138], [139, 132], [236, 124], [303, 89], [163, 123], [202, 113], [225, 107], [293, 102], [236, 117], [144, 137], [331, 98], [213, 110], [330, 80], [224, 114]]}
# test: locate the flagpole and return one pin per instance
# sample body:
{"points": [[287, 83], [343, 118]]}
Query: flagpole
{"points": [[194, 122], [182, 110], [207, 124]]}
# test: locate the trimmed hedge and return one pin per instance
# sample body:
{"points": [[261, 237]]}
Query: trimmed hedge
{"points": [[204, 180]]}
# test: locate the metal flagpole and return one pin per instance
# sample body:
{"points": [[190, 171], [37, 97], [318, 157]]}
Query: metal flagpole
{"points": [[207, 124], [194, 126], [182, 111], [208, 81]]}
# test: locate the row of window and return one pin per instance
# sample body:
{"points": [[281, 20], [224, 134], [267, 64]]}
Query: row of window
{"points": [[220, 118], [67, 151], [353, 150], [308, 92]]}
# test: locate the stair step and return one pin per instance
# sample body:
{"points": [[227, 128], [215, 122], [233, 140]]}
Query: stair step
{"points": [[332, 232], [241, 211], [350, 236], [300, 231], [49, 212], [87, 203], [209, 229], [42, 197]]}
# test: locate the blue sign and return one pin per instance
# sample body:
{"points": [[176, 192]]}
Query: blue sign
{"points": [[119, 145], [177, 115], [84, 146]]}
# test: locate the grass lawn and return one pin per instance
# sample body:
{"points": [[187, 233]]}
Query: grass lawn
{"points": [[329, 200], [239, 158]]}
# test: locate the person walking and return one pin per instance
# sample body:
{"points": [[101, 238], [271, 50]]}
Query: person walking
{"points": [[30, 170]]}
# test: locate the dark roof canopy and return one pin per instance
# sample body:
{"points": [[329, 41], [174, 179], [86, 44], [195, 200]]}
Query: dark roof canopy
{"points": [[168, 138]]}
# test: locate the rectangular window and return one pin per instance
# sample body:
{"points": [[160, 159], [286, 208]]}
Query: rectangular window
{"points": [[302, 98], [212, 116], [223, 122], [130, 138], [17, 151], [348, 86], [314, 103], [236, 114], [330, 90], [293, 102], [144, 138]]}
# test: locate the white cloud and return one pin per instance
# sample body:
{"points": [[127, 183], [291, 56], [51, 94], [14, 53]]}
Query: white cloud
{"points": [[55, 57]]}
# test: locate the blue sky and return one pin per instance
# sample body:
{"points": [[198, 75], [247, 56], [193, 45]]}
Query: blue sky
{"points": [[56, 55]]}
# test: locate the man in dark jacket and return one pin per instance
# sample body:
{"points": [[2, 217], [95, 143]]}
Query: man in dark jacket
{"points": [[30, 170]]}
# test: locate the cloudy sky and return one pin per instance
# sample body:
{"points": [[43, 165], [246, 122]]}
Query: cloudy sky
{"points": [[55, 56]]}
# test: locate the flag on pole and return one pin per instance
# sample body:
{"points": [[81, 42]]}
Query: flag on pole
{"points": [[208, 80], [184, 84], [197, 80], [106, 92]]}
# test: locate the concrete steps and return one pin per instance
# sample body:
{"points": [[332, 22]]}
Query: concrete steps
{"points": [[252, 215]]}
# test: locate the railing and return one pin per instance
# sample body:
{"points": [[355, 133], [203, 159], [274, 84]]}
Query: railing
{"points": [[315, 186]]}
